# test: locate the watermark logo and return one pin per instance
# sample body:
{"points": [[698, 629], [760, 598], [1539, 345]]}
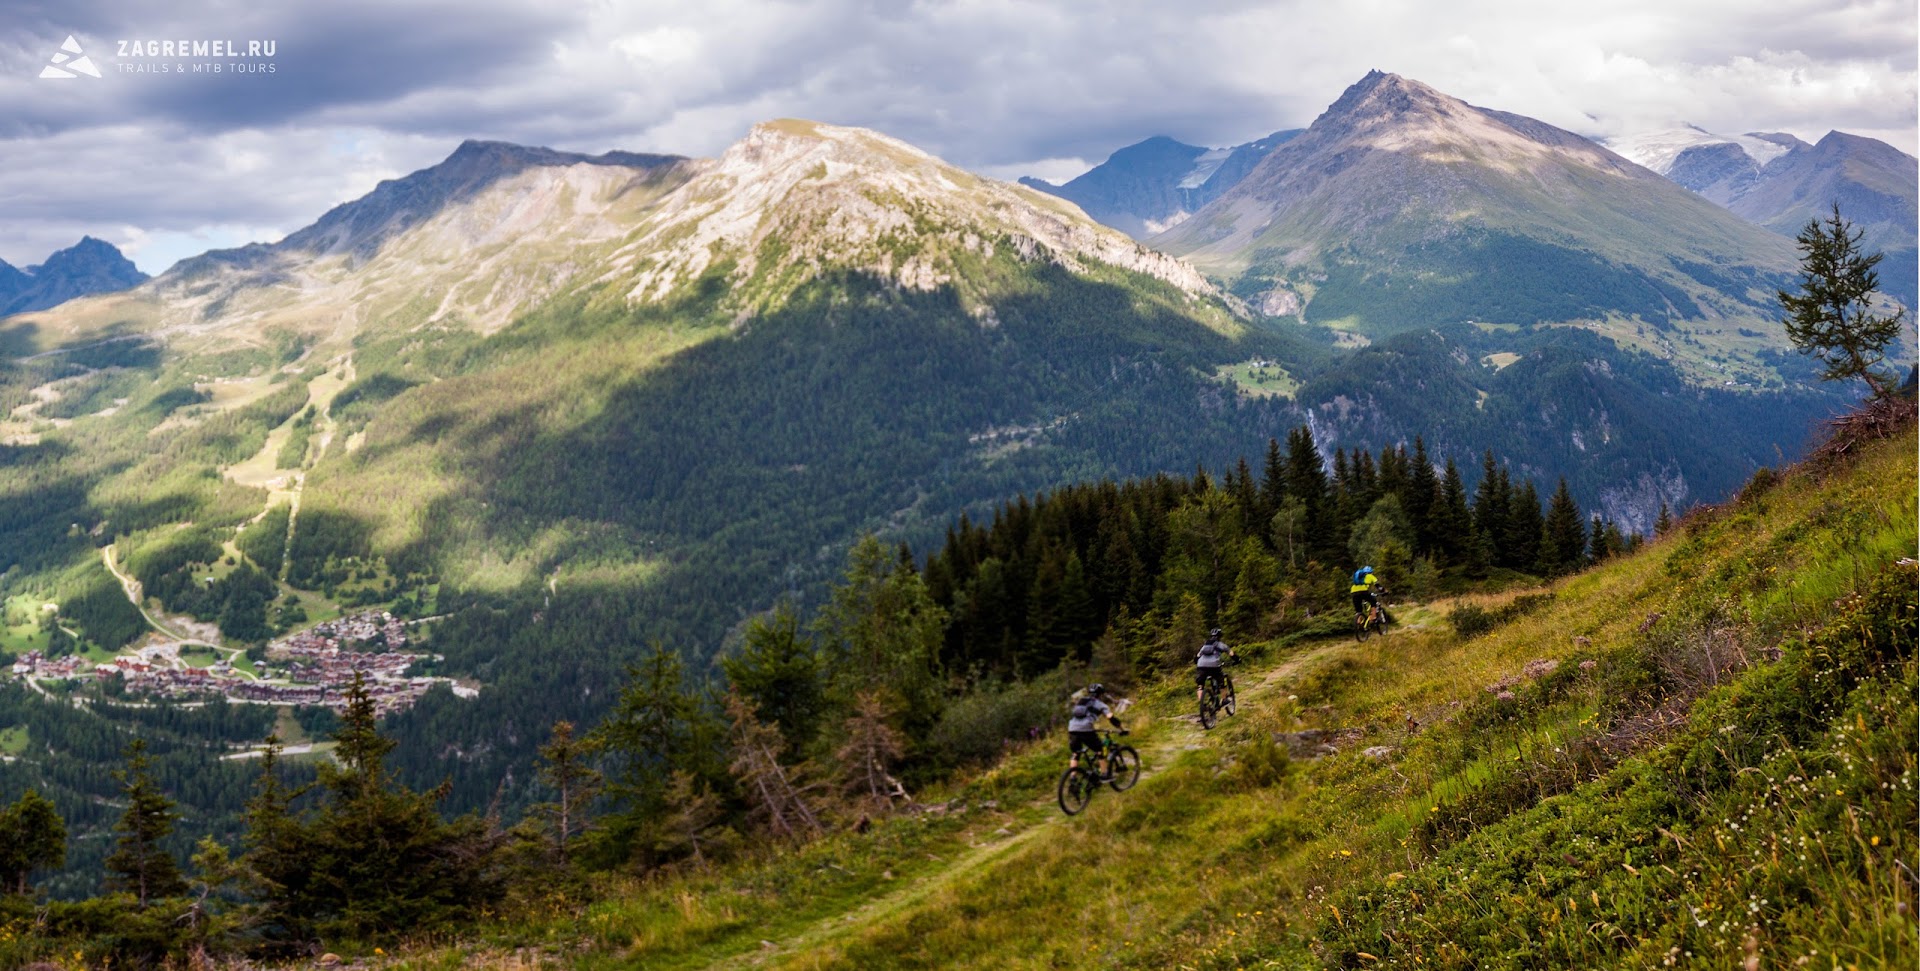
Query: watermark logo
{"points": [[70, 62]]}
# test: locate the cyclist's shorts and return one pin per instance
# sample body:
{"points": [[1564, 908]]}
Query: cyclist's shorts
{"points": [[1083, 741], [1360, 600], [1204, 675]]}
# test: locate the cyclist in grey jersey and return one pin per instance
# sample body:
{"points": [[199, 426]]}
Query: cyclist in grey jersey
{"points": [[1209, 665], [1084, 718]]}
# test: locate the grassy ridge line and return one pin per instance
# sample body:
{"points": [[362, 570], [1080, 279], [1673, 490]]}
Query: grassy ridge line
{"points": [[1227, 859]]}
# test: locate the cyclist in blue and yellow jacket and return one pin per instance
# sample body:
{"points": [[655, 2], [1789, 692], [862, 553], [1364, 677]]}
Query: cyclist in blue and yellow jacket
{"points": [[1363, 589]]}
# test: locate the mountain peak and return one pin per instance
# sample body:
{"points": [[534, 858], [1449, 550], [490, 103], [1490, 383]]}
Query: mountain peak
{"points": [[1382, 98], [90, 266], [837, 196]]}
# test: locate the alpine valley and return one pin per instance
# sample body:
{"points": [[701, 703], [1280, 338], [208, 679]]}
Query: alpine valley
{"points": [[549, 409]]}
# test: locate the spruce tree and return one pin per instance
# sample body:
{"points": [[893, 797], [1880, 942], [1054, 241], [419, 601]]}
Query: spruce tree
{"points": [[139, 864], [1273, 481], [778, 671], [1307, 482], [383, 861], [1490, 502], [1520, 545], [1831, 316], [1665, 520], [1423, 490], [1452, 522], [32, 837], [1563, 541], [575, 783]]}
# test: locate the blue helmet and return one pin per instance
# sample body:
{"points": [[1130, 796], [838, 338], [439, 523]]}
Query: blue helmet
{"points": [[1366, 569]]}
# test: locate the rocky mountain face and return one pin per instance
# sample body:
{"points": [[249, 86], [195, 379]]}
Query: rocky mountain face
{"points": [[1875, 185], [496, 230], [1147, 187], [1402, 207], [87, 267], [1781, 182]]}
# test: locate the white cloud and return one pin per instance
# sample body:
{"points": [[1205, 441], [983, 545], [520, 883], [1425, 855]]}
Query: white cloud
{"points": [[372, 89]]}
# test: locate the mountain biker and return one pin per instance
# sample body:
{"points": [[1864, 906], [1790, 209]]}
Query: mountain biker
{"points": [[1364, 591], [1208, 666], [1087, 711]]}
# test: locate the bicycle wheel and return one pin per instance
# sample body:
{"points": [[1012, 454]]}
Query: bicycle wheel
{"points": [[1209, 703], [1076, 787], [1362, 629], [1126, 768], [1231, 702]]}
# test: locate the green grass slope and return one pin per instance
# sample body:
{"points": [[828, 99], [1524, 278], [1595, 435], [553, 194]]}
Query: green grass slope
{"points": [[1701, 755]]}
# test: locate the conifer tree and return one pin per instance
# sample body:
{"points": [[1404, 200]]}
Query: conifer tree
{"points": [[575, 783], [139, 864], [1273, 481], [1563, 541], [1597, 549], [32, 837], [1452, 522], [657, 726], [870, 750], [1520, 546], [1832, 315], [1307, 482], [382, 860], [1423, 490], [778, 671], [1491, 499], [777, 793], [1665, 520], [688, 828]]}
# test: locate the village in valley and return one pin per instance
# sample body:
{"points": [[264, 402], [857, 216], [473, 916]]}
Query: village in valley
{"points": [[315, 666]]}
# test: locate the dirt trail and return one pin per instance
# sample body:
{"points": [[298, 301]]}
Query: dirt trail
{"points": [[1177, 734]]}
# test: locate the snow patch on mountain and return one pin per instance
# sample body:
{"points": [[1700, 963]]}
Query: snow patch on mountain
{"points": [[1658, 150]]}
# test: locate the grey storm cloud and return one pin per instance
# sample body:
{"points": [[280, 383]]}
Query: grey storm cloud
{"points": [[362, 90]]}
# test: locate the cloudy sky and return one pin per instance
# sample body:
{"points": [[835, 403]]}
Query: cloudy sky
{"points": [[166, 164]]}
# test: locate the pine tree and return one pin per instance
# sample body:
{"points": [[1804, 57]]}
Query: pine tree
{"points": [[1831, 317], [139, 864], [1665, 520], [778, 671], [656, 727], [687, 828], [1273, 482], [1597, 548], [277, 855], [1307, 482], [424, 871], [776, 793], [1520, 546], [1423, 491], [1563, 541], [1491, 500], [32, 837], [1452, 522], [574, 782], [871, 749]]}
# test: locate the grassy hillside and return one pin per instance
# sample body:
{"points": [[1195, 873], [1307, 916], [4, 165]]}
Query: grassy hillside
{"points": [[1701, 755]]}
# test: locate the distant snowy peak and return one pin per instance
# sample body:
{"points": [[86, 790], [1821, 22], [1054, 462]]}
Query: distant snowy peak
{"points": [[1661, 150]]}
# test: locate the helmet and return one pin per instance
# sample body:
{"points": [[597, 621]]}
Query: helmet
{"points": [[1366, 569], [1096, 689], [1214, 632]]}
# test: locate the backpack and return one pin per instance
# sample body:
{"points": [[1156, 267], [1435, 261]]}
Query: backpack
{"points": [[1083, 708], [1359, 578]]}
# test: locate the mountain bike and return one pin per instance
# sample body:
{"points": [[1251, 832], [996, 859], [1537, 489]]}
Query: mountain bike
{"points": [[1372, 620], [1217, 696], [1120, 768]]}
